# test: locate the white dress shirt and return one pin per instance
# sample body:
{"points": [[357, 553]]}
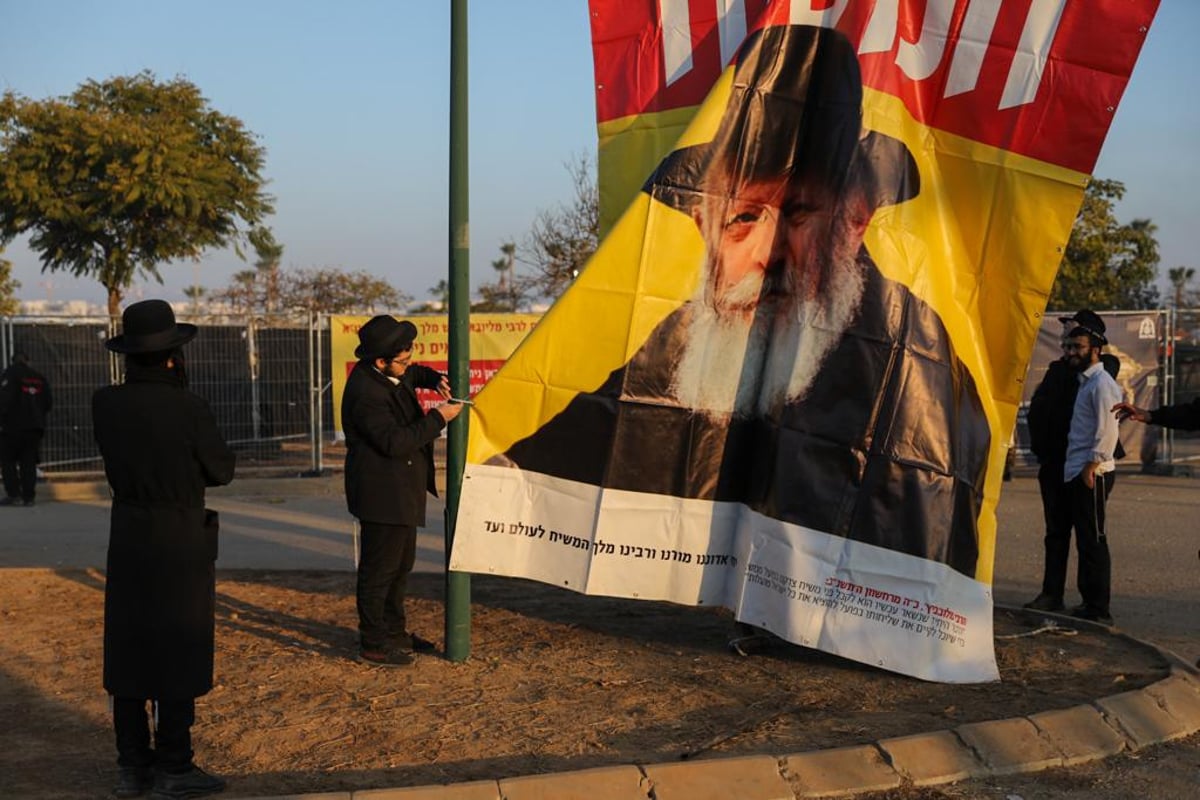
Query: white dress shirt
{"points": [[1093, 433]]}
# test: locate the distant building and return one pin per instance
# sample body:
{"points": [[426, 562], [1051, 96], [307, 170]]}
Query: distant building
{"points": [[62, 308]]}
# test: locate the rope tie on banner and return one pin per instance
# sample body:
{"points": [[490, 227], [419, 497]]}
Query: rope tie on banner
{"points": [[1047, 627]]}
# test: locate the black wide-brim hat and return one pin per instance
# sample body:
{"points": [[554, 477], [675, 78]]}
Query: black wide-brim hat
{"points": [[794, 112], [384, 336], [1090, 321], [149, 326]]}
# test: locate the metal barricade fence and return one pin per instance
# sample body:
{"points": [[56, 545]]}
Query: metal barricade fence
{"points": [[1183, 382], [265, 378], [269, 383]]}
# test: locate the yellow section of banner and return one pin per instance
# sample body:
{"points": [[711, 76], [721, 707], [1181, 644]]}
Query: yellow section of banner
{"points": [[645, 269], [981, 243], [630, 148]]}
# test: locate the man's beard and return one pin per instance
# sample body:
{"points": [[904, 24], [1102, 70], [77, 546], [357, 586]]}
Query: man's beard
{"points": [[746, 364]]}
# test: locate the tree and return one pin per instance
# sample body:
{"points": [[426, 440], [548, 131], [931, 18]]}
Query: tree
{"points": [[495, 298], [561, 240], [195, 294], [440, 303], [9, 305], [124, 175], [1180, 277], [334, 291], [510, 291], [270, 255], [1106, 264], [242, 293]]}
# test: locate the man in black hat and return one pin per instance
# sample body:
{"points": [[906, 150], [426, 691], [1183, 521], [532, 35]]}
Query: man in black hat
{"points": [[24, 403], [161, 448], [389, 467], [1089, 469], [1050, 410], [799, 380]]}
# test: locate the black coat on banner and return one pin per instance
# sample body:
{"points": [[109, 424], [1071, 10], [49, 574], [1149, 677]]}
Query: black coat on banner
{"points": [[389, 444], [889, 446], [161, 448]]}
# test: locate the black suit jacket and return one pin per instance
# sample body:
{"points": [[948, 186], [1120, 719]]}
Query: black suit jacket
{"points": [[889, 446], [389, 445]]}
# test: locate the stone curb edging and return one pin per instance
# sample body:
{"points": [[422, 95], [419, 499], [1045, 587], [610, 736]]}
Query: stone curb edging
{"points": [[98, 491], [1163, 711]]}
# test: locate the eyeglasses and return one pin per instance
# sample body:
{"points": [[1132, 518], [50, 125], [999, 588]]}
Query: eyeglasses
{"points": [[402, 360], [1071, 347]]}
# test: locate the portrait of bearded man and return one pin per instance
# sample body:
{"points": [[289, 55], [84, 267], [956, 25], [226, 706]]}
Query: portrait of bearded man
{"points": [[798, 380]]}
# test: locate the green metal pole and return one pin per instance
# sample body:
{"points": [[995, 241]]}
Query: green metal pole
{"points": [[458, 584]]}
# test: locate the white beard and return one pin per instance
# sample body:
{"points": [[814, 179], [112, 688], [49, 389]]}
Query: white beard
{"points": [[742, 365]]}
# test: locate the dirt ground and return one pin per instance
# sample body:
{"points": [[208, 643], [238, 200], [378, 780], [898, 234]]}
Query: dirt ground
{"points": [[556, 682]]}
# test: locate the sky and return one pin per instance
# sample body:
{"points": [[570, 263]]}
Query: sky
{"points": [[351, 102]]}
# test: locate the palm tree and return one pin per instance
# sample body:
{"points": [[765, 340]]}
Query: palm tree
{"points": [[506, 286], [194, 293], [270, 254], [1179, 277]]}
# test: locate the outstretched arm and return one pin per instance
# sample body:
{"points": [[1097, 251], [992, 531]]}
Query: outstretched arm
{"points": [[1126, 411]]}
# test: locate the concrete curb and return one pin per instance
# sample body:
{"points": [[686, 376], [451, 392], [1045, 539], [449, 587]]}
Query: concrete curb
{"points": [[1163, 711], [97, 491]]}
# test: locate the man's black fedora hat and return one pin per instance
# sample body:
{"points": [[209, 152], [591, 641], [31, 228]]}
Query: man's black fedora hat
{"points": [[794, 112], [149, 326], [1090, 321], [384, 336]]}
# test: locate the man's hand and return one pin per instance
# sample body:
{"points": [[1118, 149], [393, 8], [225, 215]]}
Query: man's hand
{"points": [[1089, 474], [444, 388], [1126, 411], [449, 410]]}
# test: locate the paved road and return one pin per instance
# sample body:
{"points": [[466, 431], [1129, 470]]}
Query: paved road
{"points": [[1152, 535], [298, 523], [303, 524]]}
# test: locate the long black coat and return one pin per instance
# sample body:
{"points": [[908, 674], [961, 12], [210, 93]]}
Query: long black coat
{"points": [[389, 445], [888, 447], [161, 448]]}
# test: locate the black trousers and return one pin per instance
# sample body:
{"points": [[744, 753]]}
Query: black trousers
{"points": [[386, 557], [172, 750], [1095, 564], [1056, 510], [1073, 506], [18, 462]]}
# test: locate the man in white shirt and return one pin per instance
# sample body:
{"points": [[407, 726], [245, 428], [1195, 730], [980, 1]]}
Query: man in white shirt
{"points": [[1088, 470]]}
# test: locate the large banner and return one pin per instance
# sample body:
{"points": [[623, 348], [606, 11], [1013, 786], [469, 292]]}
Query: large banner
{"points": [[785, 382], [493, 337]]}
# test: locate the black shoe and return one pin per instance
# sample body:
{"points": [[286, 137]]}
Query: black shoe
{"points": [[133, 781], [384, 658], [28, 501], [1045, 602], [193, 783], [1092, 615], [420, 645], [9, 501]]}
